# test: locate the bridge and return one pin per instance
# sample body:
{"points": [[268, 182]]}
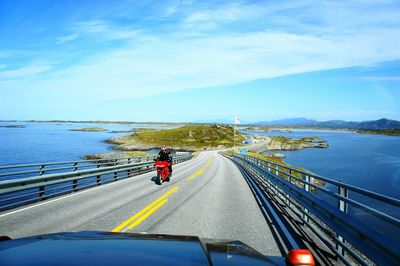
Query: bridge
{"points": [[268, 206]]}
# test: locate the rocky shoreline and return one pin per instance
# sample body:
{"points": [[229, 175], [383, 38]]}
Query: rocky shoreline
{"points": [[122, 144], [280, 143]]}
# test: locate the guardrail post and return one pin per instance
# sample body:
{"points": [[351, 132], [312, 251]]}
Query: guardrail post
{"points": [[75, 185], [41, 193], [98, 177], [343, 206], [41, 169], [269, 167], [75, 167], [290, 180], [307, 189]]}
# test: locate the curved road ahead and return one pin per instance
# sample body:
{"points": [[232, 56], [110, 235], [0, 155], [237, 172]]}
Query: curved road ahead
{"points": [[207, 197]]}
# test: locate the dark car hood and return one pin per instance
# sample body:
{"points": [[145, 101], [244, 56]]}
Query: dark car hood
{"points": [[104, 248]]}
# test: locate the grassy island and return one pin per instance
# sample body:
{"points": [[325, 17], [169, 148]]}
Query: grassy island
{"points": [[94, 129], [191, 137]]}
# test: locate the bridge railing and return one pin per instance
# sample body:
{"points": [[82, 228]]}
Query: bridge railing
{"points": [[327, 207], [16, 192], [28, 170]]}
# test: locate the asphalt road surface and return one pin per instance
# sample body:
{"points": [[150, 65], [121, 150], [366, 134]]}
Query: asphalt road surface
{"points": [[207, 197]]}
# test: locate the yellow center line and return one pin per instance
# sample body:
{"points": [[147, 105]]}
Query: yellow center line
{"points": [[143, 211], [142, 215], [147, 214], [201, 171]]}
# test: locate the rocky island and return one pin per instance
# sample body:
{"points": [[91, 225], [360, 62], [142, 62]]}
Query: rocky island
{"points": [[13, 126], [187, 138], [287, 144], [93, 129]]}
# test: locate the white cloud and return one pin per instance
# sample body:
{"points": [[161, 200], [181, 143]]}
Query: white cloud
{"points": [[25, 71], [151, 63], [68, 38], [102, 29]]}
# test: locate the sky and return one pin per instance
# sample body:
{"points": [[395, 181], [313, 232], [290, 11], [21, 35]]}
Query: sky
{"points": [[188, 61]]}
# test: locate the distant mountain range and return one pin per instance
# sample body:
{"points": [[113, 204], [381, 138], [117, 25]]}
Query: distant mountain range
{"points": [[364, 125]]}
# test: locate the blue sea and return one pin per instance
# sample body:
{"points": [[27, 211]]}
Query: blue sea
{"points": [[55, 142]]}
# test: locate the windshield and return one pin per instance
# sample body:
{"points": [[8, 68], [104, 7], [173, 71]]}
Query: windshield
{"points": [[276, 116]]}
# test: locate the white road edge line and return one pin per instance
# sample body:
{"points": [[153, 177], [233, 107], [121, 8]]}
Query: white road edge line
{"points": [[50, 201]]}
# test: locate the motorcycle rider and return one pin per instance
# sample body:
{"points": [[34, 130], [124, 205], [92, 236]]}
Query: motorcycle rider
{"points": [[164, 155]]}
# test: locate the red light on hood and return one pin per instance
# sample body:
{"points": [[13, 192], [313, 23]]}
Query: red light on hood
{"points": [[300, 257]]}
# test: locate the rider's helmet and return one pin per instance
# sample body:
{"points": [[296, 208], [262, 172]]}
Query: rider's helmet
{"points": [[164, 148]]}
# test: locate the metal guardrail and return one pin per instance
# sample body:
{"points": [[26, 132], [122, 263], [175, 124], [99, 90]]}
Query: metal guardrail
{"points": [[83, 174], [28, 170], [351, 239]]}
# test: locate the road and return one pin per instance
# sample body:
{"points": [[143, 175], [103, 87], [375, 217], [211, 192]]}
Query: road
{"points": [[207, 197]]}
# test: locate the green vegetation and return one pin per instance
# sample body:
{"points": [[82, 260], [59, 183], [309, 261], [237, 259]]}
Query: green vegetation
{"points": [[267, 157], [89, 129], [294, 173], [130, 130], [136, 153], [191, 137], [387, 132], [312, 139], [230, 152]]}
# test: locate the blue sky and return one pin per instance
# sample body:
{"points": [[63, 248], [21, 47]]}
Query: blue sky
{"points": [[199, 60]]}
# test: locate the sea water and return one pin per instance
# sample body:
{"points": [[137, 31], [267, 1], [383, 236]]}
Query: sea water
{"points": [[55, 142]]}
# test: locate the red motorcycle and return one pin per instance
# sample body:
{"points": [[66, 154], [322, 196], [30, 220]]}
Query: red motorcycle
{"points": [[163, 173]]}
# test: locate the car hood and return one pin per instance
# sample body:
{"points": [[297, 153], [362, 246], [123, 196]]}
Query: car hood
{"points": [[105, 248]]}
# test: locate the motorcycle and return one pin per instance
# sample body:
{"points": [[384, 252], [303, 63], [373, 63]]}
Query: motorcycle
{"points": [[163, 173]]}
